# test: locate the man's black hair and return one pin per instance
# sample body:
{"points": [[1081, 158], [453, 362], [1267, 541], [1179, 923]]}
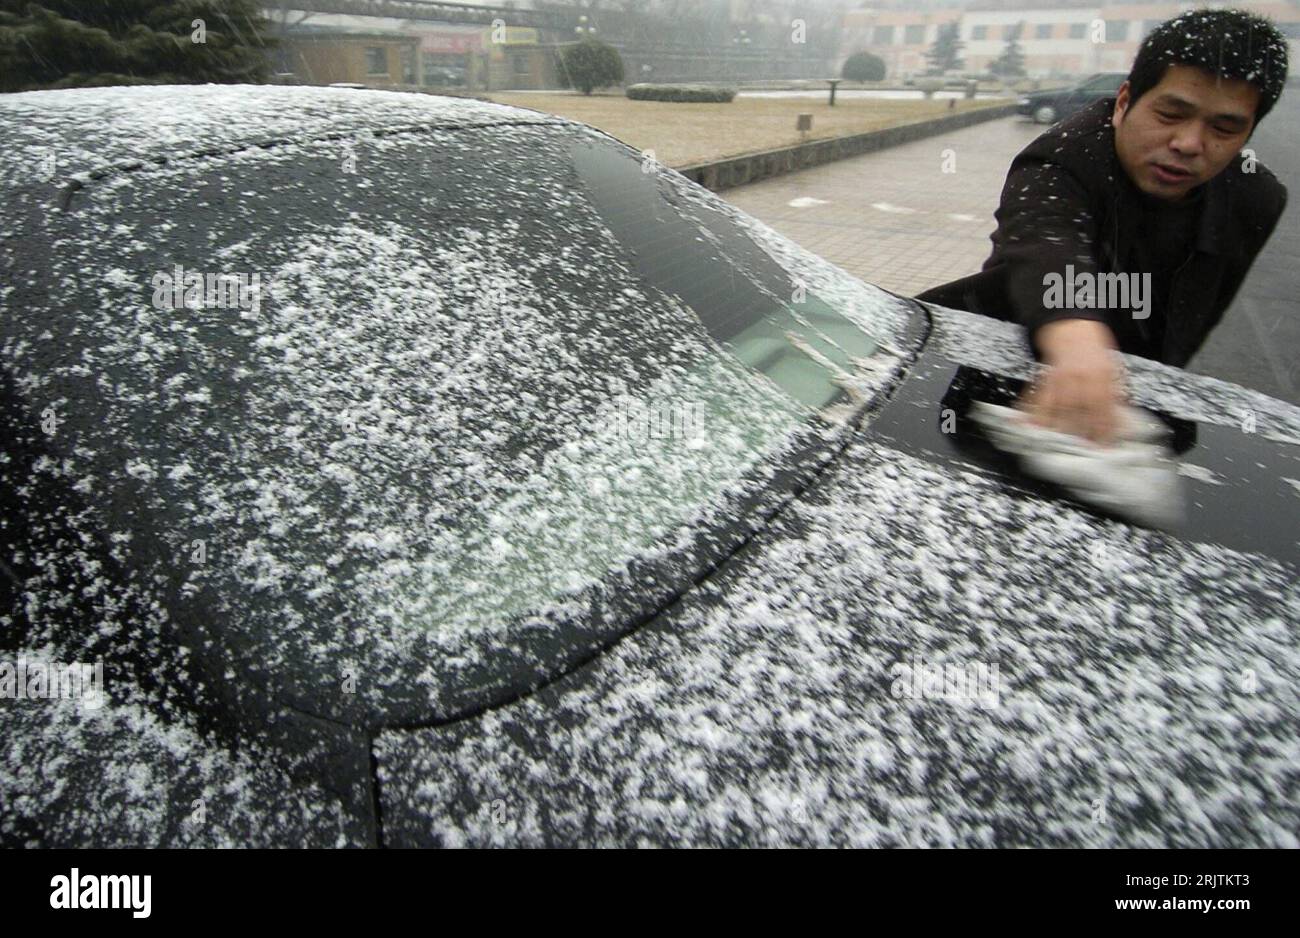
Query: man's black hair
{"points": [[1227, 43]]}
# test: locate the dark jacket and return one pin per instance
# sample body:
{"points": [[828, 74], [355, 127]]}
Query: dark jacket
{"points": [[1066, 201]]}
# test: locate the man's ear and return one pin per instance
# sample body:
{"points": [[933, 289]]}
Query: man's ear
{"points": [[1121, 105]]}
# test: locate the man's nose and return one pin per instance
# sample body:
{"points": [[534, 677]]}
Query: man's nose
{"points": [[1188, 140]]}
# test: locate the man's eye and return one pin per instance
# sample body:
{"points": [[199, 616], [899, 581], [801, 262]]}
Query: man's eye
{"points": [[1166, 116], [1224, 131]]}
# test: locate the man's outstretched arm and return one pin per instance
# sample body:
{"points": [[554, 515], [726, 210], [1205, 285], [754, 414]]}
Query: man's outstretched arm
{"points": [[1045, 226]]}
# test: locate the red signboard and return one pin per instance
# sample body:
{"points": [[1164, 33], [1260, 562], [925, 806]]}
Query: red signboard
{"points": [[447, 41]]}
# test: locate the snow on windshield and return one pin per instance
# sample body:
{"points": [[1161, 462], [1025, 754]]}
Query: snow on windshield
{"points": [[436, 400]]}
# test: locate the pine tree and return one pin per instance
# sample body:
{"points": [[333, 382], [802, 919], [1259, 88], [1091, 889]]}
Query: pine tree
{"points": [[1011, 63], [69, 43], [945, 54]]}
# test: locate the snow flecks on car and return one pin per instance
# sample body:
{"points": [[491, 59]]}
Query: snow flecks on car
{"points": [[118, 775], [94, 130], [1001, 346], [433, 387], [1124, 709]]}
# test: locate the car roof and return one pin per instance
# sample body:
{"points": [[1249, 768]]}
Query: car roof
{"points": [[89, 131]]}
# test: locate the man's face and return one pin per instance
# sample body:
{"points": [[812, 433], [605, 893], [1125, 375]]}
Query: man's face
{"points": [[1184, 131]]}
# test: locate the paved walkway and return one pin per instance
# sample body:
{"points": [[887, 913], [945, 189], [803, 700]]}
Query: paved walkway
{"points": [[896, 219]]}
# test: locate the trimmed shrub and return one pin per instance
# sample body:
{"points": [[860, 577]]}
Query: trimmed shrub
{"points": [[681, 93], [930, 85], [863, 66]]}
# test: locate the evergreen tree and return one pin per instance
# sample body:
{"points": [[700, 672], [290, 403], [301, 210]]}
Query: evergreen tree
{"points": [[1011, 63], [945, 54], [590, 64], [69, 43]]}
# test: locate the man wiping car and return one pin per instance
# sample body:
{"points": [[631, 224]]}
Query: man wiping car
{"points": [[1131, 225]]}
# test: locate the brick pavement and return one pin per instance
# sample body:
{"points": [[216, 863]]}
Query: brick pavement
{"points": [[895, 217]]}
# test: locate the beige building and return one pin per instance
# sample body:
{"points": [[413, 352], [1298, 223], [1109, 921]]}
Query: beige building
{"points": [[899, 37], [377, 60], [385, 52], [1056, 42]]}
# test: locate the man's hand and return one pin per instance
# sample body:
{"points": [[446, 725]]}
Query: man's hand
{"points": [[1081, 389]]}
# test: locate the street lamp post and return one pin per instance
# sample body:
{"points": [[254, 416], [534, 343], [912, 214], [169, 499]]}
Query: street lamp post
{"points": [[740, 40]]}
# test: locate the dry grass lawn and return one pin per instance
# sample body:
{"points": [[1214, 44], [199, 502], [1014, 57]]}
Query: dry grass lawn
{"points": [[683, 134]]}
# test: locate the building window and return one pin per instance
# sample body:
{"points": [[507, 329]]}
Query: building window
{"points": [[521, 65], [914, 35], [407, 57], [376, 60], [979, 32], [1043, 31], [1078, 30], [1011, 31], [884, 35], [1116, 30]]}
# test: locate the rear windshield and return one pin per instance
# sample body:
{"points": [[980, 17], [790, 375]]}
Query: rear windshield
{"points": [[422, 381]]}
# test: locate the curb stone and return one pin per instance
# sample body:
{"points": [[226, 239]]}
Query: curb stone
{"points": [[733, 171]]}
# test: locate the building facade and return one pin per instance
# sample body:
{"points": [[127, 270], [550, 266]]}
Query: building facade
{"points": [[387, 52], [436, 43], [1057, 40]]}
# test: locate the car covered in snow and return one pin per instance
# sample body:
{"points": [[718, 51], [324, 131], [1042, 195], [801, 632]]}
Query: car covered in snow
{"points": [[390, 469]]}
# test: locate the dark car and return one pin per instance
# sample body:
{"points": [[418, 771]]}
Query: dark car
{"points": [[422, 471], [1048, 107], [444, 75]]}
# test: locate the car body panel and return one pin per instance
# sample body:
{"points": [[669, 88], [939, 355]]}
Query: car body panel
{"points": [[1131, 710], [1236, 489], [1142, 682]]}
